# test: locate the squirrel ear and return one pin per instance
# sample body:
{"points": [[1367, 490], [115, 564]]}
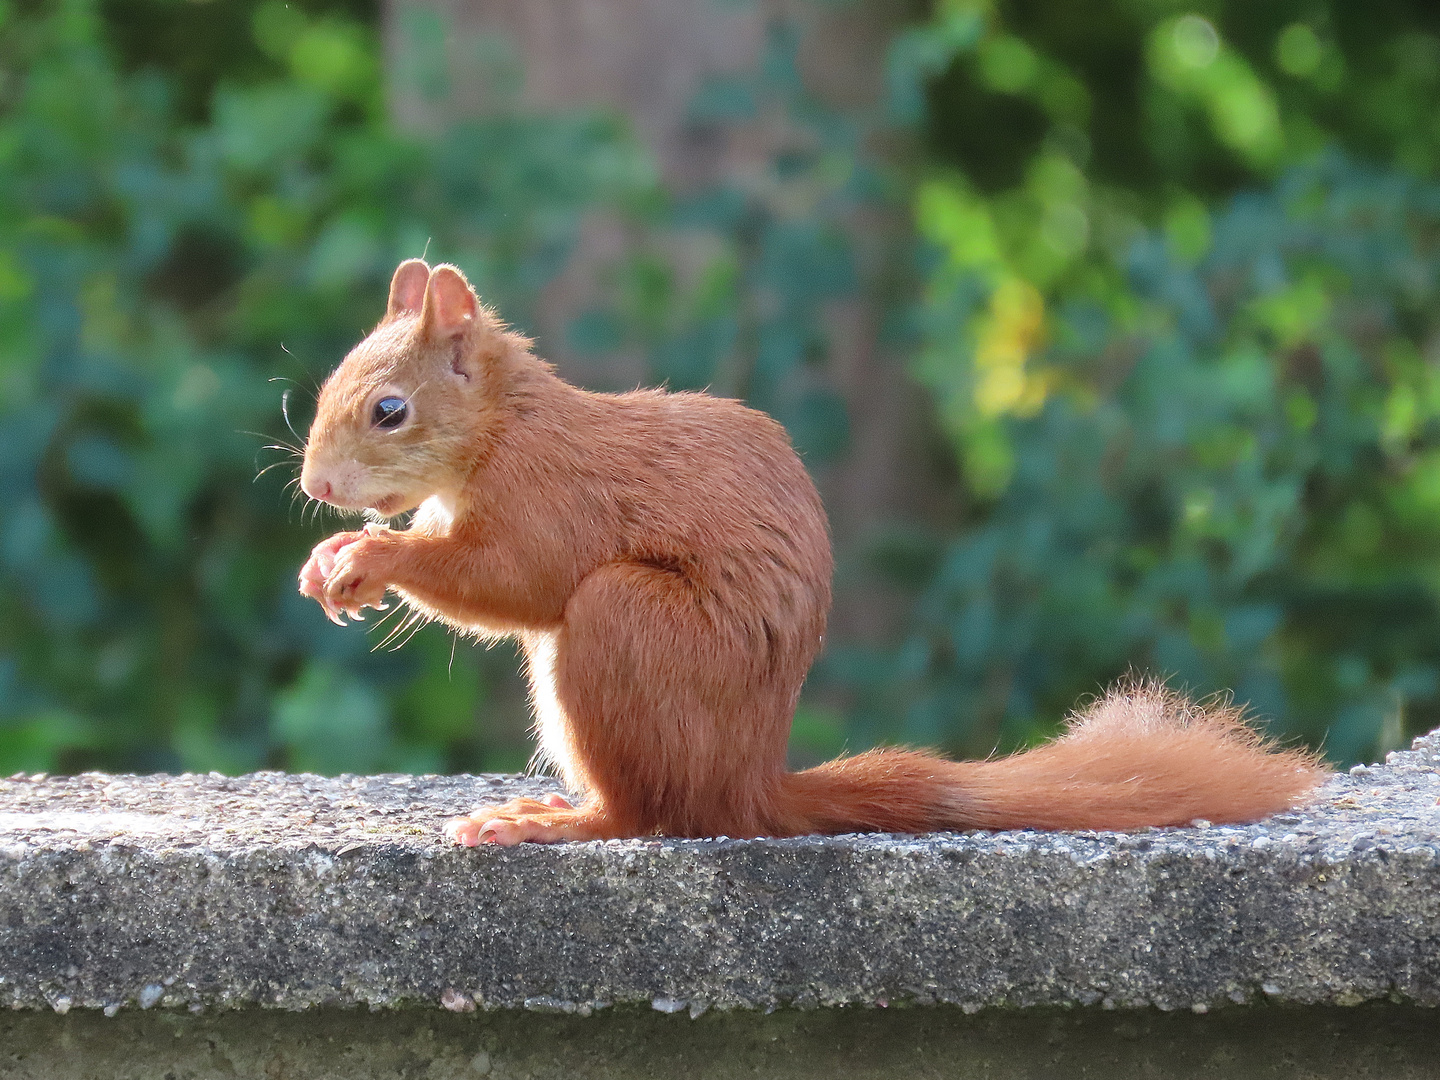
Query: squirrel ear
{"points": [[450, 303], [407, 288]]}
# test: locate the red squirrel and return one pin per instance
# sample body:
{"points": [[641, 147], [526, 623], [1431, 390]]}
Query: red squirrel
{"points": [[664, 561]]}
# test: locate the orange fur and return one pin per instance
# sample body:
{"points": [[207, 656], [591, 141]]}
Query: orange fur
{"points": [[1142, 755], [665, 562]]}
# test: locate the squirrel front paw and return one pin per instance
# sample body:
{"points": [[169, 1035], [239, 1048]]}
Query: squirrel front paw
{"points": [[321, 564], [360, 572]]}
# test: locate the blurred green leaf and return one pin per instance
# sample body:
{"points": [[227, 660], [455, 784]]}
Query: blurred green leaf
{"points": [[39, 742], [330, 721]]}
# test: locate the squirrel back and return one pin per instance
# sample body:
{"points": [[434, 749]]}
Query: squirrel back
{"points": [[664, 561]]}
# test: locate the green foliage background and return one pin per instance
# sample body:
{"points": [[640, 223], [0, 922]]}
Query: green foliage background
{"points": [[1177, 281], [1180, 325]]}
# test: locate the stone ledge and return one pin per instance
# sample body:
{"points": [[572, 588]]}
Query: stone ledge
{"points": [[1377, 1042], [298, 891]]}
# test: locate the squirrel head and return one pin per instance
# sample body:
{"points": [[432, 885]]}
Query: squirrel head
{"points": [[403, 416]]}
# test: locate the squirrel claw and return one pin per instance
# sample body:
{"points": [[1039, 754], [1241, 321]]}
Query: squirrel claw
{"points": [[464, 831]]}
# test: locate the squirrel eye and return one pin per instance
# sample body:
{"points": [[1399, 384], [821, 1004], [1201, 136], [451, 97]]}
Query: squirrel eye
{"points": [[390, 412]]}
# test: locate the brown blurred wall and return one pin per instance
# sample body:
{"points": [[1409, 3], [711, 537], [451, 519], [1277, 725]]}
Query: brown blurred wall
{"points": [[647, 59]]}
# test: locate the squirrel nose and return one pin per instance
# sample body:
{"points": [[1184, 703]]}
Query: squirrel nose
{"points": [[318, 489]]}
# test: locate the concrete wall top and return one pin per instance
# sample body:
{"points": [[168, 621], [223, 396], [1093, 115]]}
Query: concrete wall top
{"points": [[288, 891]]}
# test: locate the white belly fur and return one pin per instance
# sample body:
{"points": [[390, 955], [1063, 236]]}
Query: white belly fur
{"points": [[433, 517], [555, 750]]}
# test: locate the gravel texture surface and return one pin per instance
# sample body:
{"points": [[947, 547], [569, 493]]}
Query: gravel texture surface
{"points": [[124, 892]]}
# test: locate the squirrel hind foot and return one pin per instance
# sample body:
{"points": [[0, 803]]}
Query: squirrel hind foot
{"points": [[527, 820]]}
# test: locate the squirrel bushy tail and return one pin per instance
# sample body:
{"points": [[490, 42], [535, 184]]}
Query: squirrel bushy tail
{"points": [[1141, 755]]}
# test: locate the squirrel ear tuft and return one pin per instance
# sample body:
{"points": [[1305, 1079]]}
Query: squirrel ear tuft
{"points": [[450, 303], [407, 288]]}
